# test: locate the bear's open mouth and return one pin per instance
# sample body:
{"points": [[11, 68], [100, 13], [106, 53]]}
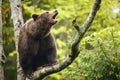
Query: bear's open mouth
{"points": [[54, 16]]}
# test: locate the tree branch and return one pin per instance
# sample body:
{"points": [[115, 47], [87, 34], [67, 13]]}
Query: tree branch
{"points": [[89, 19], [42, 72]]}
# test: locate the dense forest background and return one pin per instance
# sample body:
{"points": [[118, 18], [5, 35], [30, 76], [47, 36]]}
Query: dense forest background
{"points": [[99, 58]]}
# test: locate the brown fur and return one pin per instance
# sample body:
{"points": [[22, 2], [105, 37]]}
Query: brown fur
{"points": [[36, 45]]}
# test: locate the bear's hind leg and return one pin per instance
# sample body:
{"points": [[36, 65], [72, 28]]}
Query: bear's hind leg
{"points": [[26, 64]]}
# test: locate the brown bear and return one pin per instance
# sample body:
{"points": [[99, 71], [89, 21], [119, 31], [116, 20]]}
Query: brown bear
{"points": [[36, 44]]}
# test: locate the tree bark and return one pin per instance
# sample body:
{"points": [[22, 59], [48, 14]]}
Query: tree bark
{"points": [[16, 15], [2, 56]]}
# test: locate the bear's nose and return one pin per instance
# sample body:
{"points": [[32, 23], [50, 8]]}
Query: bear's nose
{"points": [[56, 11]]}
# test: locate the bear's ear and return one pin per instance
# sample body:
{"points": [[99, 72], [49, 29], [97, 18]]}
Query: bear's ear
{"points": [[34, 16]]}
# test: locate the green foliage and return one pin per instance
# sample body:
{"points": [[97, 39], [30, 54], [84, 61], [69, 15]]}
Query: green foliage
{"points": [[8, 42], [100, 63], [11, 67], [8, 31]]}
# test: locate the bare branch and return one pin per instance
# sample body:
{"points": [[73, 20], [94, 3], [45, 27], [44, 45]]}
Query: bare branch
{"points": [[91, 16], [42, 72]]}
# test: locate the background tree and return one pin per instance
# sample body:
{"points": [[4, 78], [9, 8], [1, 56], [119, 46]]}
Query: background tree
{"points": [[18, 22], [2, 56]]}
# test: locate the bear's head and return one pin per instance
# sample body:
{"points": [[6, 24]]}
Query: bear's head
{"points": [[40, 24], [46, 19]]}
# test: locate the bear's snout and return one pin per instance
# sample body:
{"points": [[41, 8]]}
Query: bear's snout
{"points": [[54, 14], [56, 11]]}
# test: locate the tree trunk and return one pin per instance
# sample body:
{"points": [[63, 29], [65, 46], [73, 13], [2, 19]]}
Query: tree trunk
{"points": [[2, 56], [16, 15]]}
